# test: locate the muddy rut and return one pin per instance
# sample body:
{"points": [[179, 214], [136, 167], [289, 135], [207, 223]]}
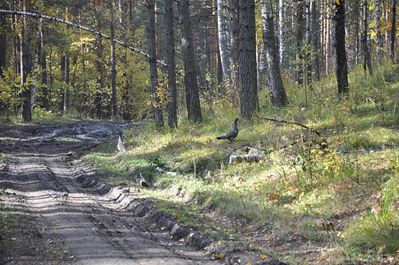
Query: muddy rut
{"points": [[65, 213]]}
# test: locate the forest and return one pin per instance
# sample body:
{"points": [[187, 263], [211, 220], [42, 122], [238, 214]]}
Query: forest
{"points": [[271, 127]]}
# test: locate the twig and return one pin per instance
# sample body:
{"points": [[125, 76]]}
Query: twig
{"points": [[74, 25], [293, 123]]}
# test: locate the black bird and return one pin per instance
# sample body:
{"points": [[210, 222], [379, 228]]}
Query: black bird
{"points": [[121, 145], [232, 134]]}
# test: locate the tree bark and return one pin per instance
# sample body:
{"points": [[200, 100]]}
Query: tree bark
{"points": [[393, 30], [26, 63], [316, 38], [366, 50], [100, 69], [171, 61], [234, 44], [156, 101], [341, 59], [190, 64], [43, 64], [276, 87], [114, 106], [380, 42], [16, 45], [224, 37], [300, 33], [3, 39], [281, 46], [247, 60]]}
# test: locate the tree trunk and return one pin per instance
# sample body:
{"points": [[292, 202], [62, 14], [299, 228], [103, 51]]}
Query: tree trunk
{"points": [[121, 12], [3, 39], [190, 64], [276, 87], [366, 50], [280, 29], [393, 30], [380, 43], [16, 45], [300, 32], [247, 60], [156, 102], [234, 44], [101, 78], [43, 65], [67, 82], [114, 106], [171, 61], [316, 38], [224, 37], [341, 60], [26, 63], [100, 69]]}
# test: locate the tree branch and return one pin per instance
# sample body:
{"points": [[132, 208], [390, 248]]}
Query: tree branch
{"points": [[293, 123], [74, 25]]}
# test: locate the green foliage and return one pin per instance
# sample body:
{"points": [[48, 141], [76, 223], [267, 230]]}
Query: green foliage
{"points": [[379, 228], [303, 179], [10, 89]]}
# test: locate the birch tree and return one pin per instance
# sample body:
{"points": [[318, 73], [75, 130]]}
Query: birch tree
{"points": [[276, 87]]}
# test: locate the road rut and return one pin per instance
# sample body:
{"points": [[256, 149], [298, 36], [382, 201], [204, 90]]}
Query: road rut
{"points": [[92, 221]]}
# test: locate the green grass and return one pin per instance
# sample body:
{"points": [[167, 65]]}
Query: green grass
{"points": [[292, 188]]}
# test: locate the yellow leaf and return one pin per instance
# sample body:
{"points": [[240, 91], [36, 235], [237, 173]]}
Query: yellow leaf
{"points": [[249, 263], [220, 255], [263, 257]]}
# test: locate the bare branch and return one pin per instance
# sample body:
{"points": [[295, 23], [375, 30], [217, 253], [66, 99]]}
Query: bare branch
{"points": [[74, 25]]}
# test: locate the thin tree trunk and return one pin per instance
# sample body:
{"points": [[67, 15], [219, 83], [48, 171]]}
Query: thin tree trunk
{"points": [[190, 64], [114, 106], [276, 87], [101, 78], [234, 44], [26, 63], [16, 48], [393, 30], [366, 50], [156, 102], [171, 61], [380, 43], [67, 82], [316, 37], [43, 64], [121, 12], [280, 30], [224, 37], [247, 60], [341, 59], [3, 39], [300, 30], [100, 69]]}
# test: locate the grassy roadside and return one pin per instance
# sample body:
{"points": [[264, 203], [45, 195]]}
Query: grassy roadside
{"points": [[338, 202]]}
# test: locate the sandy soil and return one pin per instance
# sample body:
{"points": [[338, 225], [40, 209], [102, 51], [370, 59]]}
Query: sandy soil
{"points": [[56, 210]]}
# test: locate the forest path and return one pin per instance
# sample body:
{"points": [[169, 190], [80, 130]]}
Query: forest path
{"points": [[63, 213]]}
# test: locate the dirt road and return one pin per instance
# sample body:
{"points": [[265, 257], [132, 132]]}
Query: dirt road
{"points": [[57, 210]]}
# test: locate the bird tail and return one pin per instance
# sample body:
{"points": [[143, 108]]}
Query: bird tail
{"points": [[221, 137]]}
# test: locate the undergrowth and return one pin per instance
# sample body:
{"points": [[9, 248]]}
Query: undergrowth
{"points": [[340, 188]]}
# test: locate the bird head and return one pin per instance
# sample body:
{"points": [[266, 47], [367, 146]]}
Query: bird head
{"points": [[236, 120]]}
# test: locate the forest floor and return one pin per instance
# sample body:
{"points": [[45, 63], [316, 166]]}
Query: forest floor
{"points": [[306, 199], [55, 209]]}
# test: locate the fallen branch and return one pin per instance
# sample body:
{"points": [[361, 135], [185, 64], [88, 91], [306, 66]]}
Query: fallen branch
{"points": [[294, 123], [246, 154], [74, 25]]}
